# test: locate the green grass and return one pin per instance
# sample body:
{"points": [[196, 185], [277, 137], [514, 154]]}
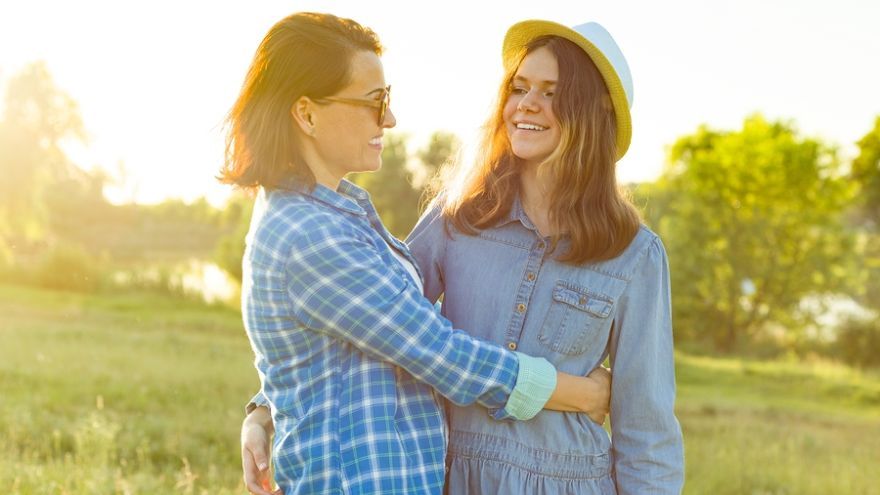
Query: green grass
{"points": [[131, 393], [143, 393], [778, 427]]}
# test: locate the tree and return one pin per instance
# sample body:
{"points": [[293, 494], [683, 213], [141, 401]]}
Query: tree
{"points": [[752, 223], [865, 173], [391, 188], [38, 117], [440, 150], [397, 188], [230, 248]]}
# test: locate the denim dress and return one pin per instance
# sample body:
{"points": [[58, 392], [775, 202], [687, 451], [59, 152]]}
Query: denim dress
{"points": [[504, 287]]}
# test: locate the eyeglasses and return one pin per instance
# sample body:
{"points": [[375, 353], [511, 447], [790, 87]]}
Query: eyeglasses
{"points": [[382, 103]]}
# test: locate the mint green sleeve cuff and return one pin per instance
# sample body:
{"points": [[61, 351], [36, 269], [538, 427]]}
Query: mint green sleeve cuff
{"points": [[535, 383]]}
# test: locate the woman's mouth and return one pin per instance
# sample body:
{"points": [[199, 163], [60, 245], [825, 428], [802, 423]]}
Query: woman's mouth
{"points": [[529, 126]]}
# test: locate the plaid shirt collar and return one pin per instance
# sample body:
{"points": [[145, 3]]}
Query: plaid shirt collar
{"points": [[347, 197]]}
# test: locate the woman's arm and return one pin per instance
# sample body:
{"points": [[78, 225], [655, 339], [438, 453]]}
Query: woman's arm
{"points": [[257, 427], [590, 395], [339, 284], [646, 437], [427, 242]]}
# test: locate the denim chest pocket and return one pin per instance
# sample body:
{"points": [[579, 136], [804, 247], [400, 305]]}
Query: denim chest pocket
{"points": [[575, 320]]}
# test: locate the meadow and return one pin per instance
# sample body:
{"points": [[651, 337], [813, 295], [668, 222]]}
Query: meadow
{"points": [[143, 393]]}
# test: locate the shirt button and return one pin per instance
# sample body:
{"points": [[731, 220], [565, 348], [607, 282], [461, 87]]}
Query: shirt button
{"points": [[511, 346], [521, 308], [583, 300], [530, 276], [540, 245]]}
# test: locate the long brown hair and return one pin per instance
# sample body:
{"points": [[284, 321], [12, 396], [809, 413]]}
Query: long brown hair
{"points": [[305, 54], [587, 206]]}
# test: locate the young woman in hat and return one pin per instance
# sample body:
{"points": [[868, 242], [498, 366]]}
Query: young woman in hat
{"points": [[538, 231], [348, 350]]}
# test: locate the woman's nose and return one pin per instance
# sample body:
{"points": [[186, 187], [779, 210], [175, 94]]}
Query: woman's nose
{"points": [[390, 120], [528, 103]]}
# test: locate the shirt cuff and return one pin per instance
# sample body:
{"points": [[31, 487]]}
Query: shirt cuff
{"points": [[257, 401], [535, 383]]}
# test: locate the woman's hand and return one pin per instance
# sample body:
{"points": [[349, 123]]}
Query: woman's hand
{"points": [[589, 394], [256, 429], [598, 402]]}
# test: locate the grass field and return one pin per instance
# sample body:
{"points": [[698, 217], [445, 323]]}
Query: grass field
{"points": [[143, 393]]}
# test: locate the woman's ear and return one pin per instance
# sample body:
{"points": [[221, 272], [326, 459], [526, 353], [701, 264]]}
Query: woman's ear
{"points": [[303, 115]]}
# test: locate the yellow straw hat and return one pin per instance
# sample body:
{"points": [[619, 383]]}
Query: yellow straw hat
{"points": [[602, 50]]}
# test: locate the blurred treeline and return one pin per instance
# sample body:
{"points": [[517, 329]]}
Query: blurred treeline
{"points": [[773, 237], [56, 228]]}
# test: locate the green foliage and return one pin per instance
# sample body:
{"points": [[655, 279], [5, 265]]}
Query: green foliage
{"points": [[37, 117], [230, 249], [752, 223], [391, 188], [858, 342], [6, 259], [92, 244], [69, 267], [171, 230], [866, 173], [397, 188], [440, 151], [869, 293], [46, 200]]}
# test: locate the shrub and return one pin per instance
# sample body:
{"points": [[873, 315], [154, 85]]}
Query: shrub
{"points": [[858, 341], [69, 267], [5, 257], [230, 248]]}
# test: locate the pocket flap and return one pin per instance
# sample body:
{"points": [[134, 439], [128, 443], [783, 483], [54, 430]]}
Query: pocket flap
{"points": [[583, 300]]}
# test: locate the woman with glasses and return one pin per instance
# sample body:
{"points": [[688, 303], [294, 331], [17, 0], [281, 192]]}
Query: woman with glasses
{"points": [[350, 355], [536, 249]]}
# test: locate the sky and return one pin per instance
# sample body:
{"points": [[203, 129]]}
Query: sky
{"points": [[155, 79]]}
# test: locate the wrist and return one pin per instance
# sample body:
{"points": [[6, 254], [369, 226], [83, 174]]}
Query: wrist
{"points": [[260, 417], [591, 393]]}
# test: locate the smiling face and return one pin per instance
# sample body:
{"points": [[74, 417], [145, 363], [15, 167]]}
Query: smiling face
{"points": [[532, 127], [347, 136]]}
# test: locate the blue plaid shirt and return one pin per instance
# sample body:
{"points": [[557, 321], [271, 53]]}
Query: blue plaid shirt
{"points": [[350, 353]]}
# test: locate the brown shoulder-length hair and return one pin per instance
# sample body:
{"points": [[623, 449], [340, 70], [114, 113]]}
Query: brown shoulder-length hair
{"points": [[305, 54], [587, 206]]}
